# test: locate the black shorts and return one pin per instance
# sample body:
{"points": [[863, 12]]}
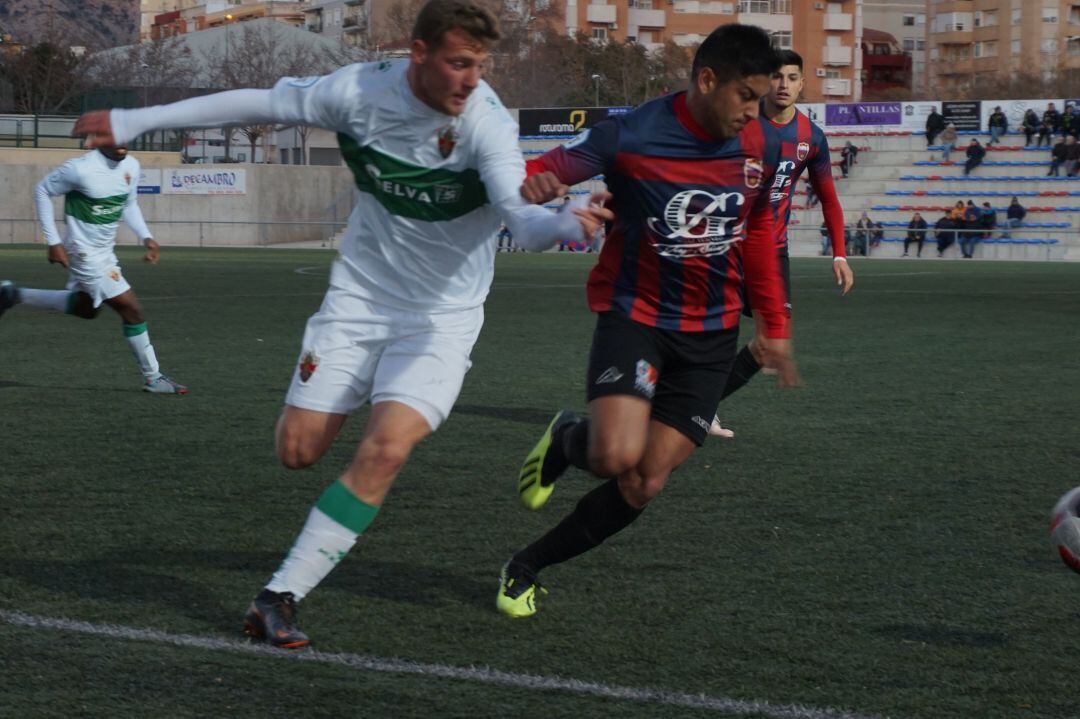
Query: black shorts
{"points": [[785, 273], [682, 374]]}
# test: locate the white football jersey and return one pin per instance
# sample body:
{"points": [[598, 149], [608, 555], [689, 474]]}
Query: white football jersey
{"points": [[96, 192], [421, 236]]}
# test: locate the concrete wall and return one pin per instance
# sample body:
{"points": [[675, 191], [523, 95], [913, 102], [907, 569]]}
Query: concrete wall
{"points": [[275, 193]]}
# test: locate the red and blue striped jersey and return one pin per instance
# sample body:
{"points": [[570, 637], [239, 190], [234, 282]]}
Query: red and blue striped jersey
{"points": [[803, 146], [692, 223]]}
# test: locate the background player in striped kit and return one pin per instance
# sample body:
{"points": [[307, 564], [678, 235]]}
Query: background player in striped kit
{"points": [[803, 146], [99, 189], [690, 175]]}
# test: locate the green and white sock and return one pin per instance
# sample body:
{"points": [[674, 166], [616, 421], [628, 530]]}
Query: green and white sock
{"points": [[138, 338], [332, 527], [59, 300]]}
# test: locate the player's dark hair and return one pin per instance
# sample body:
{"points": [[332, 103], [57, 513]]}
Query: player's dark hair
{"points": [[439, 17], [790, 57], [736, 51]]}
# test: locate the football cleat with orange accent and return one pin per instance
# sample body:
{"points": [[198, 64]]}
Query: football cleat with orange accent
{"points": [[272, 618]]}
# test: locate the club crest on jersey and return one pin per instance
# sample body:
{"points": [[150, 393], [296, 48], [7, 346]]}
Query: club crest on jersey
{"points": [[697, 223], [448, 138], [802, 151], [645, 379], [753, 172], [127, 178], [308, 364]]}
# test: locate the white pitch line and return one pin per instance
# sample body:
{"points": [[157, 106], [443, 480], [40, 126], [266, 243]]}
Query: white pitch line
{"points": [[482, 675]]}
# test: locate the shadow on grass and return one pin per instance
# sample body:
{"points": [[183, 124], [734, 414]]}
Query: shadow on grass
{"points": [[939, 635], [171, 581]]}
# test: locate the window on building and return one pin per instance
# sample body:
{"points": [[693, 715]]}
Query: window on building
{"points": [[832, 74], [990, 18], [1016, 16], [990, 48], [909, 44], [920, 44], [758, 6], [1073, 47], [599, 33], [909, 20], [1015, 47], [1050, 14], [978, 20], [781, 40], [977, 49], [780, 7], [1050, 46]]}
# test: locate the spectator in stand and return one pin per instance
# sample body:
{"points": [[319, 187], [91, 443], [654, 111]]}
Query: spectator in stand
{"points": [[948, 142], [877, 235], [1066, 122], [1058, 156], [988, 220], [847, 157], [1051, 119], [1030, 125], [826, 243], [945, 233], [916, 232], [998, 126], [1072, 156], [1074, 126], [935, 123], [975, 154], [863, 228], [956, 214], [969, 231], [1014, 217]]}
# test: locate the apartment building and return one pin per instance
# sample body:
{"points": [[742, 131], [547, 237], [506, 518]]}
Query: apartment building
{"points": [[826, 33], [969, 39], [188, 16], [360, 23], [905, 20]]}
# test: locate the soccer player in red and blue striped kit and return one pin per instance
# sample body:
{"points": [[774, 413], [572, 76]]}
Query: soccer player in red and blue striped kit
{"points": [[802, 147], [690, 176]]}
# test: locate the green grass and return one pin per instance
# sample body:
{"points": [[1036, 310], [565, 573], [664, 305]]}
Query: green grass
{"points": [[875, 542]]}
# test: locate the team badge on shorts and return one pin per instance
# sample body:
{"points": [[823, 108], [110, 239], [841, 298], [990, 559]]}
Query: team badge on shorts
{"points": [[802, 151], [753, 172], [645, 380], [114, 274], [447, 140], [308, 364]]}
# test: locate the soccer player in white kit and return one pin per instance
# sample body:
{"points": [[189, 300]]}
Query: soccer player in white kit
{"points": [[99, 189], [436, 159]]}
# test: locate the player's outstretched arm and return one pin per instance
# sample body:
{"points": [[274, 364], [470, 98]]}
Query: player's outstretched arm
{"points": [[235, 107]]}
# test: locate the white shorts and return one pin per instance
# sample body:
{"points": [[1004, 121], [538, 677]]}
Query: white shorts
{"points": [[356, 350], [99, 277]]}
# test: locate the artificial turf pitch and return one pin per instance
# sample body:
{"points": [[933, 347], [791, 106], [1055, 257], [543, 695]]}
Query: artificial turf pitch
{"points": [[875, 542]]}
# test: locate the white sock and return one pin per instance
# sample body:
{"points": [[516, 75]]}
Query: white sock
{"points": [[45, 299], [317, 550], [138, 339]]}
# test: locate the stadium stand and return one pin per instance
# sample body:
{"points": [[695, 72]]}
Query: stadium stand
{"points": [[897, 175]]}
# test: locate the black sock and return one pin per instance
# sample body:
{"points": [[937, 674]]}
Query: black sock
{"points": [[744, 368], [598, 515], [572, 441]]}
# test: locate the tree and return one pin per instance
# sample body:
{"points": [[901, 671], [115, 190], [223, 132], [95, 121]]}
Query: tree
{"points": [[258, 56], [44, 79]]}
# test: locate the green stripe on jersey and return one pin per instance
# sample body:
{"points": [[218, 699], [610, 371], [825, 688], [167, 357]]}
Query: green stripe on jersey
{"points": [[345, 508], [94, 210], [407, 190]]}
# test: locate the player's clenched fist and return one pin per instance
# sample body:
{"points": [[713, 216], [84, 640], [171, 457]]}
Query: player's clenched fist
{"points": [[543, 187]]}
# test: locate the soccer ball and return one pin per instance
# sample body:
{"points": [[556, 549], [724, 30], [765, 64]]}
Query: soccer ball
{"points": [[1065, 528]]}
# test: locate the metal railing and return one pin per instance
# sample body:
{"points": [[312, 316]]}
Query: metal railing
{"points": [[203, 233]]}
